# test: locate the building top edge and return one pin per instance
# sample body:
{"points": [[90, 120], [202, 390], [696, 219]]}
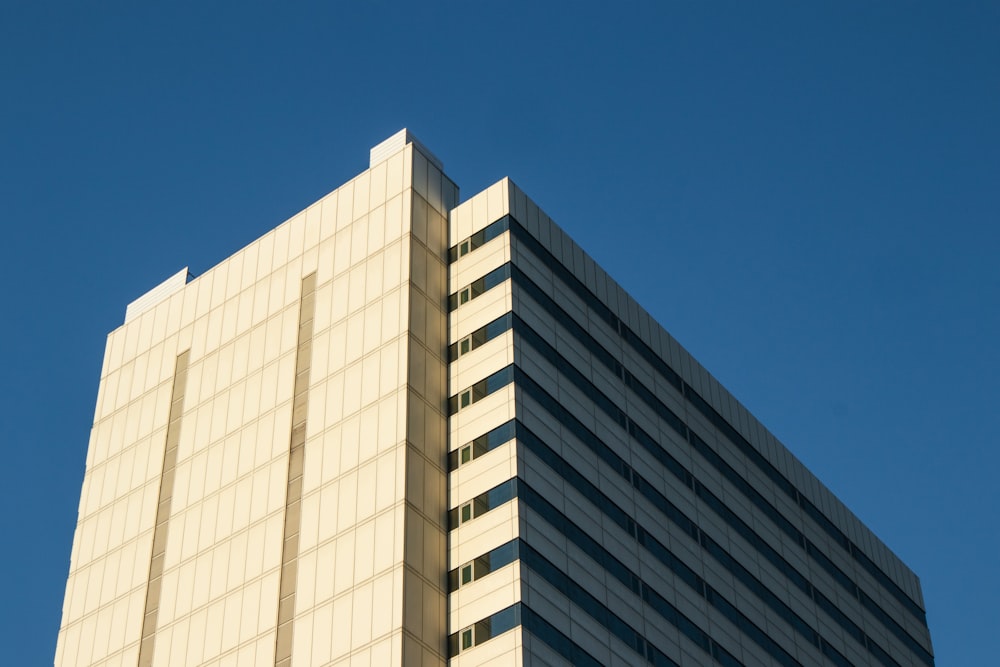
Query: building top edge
{"points": [[154, 296], [396, 143]]}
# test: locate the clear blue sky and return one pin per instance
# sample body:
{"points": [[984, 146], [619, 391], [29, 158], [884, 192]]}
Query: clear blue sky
{"points": [[806, 195]]}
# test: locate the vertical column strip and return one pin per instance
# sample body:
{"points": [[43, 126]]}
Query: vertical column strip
{"points": [[296, 458], [163, 511]]}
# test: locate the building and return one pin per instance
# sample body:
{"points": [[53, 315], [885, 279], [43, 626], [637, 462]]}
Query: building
{"points": [[400, 429]]}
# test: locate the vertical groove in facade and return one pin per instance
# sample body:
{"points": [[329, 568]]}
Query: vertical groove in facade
{"points": [[163, 511], [296, 458]]}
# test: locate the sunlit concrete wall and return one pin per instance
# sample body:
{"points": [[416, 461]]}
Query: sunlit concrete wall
{"points": [[370, 555]]}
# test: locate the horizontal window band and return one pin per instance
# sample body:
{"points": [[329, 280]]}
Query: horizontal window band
{"points": [[504, 432], [660, 552], [488, 500], [672, 377], [484, 630], [481, 389], [651, 444], [520, 550], [677, 517], [520, 614], [503, 555], [575, 593], [480, 336], [534, 246], [631, 637], [478, 446], [557, 641], [489, 562], [479, 287], [480, 238]]}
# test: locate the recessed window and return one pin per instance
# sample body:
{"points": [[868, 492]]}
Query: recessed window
{"points": [[479, 286], [485, 235], [483, 503], [488, 628], [484, 443], [466, 573], [480, 336], [481, 389]]}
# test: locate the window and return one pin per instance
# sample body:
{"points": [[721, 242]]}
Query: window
{"points": [[483, 503], [479, 446], [485, 235], [490, 561], [479, 286], [486, 629], [481, 389], [480, 336]]}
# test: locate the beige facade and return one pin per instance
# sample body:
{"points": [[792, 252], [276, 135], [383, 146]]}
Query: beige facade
{"points": [[403, 430], [370, 556]]}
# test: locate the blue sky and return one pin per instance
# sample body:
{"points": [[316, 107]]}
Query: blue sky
{"points": [[807, 196]]}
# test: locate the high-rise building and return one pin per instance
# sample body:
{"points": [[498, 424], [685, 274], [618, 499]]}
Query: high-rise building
{"points": [[400, 429]]}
